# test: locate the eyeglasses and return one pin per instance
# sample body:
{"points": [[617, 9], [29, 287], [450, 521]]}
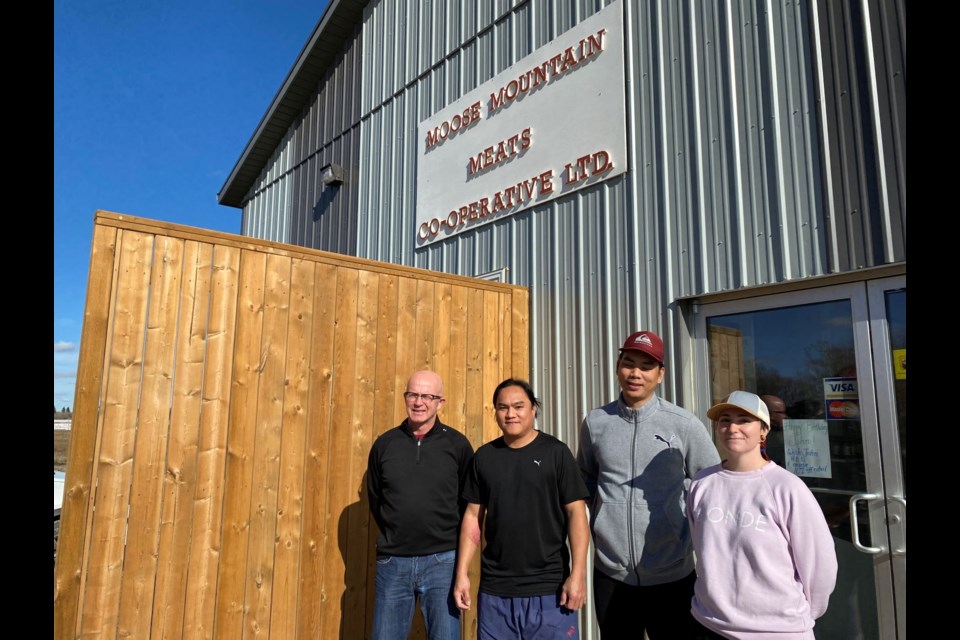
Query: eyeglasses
{"points": [[427, 397]]}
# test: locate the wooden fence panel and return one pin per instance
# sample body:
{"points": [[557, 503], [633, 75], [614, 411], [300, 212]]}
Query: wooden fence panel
{"points": [[241, 437], [317, 467], [266, 450], [118, 425], [180, 478], [340, 487], [290, 500], [228, 394], [69, 574], [358, 511], [204, 557], [150, 449]]}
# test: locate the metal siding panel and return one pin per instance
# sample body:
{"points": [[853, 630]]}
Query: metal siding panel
{"points": [[861, 88], [321, 218]]}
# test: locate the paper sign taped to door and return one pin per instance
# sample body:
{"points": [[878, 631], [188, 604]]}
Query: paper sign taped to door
{"points": [[807, 447]]}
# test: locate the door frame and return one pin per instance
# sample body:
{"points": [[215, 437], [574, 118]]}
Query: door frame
{"points": [[888, 428], [877, 418]]}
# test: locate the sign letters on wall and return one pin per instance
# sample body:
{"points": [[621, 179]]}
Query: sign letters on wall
{"points": [[552, 123]]}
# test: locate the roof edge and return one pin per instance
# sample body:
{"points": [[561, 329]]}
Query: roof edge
{"points": [[238, 182]]}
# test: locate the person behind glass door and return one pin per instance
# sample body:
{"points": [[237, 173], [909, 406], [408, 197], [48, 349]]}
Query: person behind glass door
{"points": [[766, 562], [637, 456], [414, 479], [774, 440]]}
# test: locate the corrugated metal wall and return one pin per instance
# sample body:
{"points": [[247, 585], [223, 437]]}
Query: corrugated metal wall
{"points": [[266, 214], [288, 203], [861, 48], [745, 169], [766, 144]]}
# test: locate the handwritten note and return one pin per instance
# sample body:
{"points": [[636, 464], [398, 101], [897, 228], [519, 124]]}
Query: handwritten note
{"points": [[807, 448]]}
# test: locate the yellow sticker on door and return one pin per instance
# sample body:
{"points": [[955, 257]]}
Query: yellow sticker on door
{"points": [[900, 364]]}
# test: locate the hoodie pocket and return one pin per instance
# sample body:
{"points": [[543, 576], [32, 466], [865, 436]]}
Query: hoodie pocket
{"points": [[611, 535], [667, 540]]}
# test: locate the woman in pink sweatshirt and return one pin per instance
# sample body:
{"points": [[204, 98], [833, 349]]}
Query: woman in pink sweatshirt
{"points": [[766, 562]]}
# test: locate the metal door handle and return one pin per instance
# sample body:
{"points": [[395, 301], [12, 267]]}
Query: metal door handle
{"points": [[855, 526], [900, 551]]}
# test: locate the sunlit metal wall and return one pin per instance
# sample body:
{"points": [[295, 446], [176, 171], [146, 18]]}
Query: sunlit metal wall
{"points": [[861, 75], [765, 140], [740, 174], [289, 203], [266, 212]]}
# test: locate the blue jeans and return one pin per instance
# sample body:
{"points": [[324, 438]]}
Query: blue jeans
{"points": [[401, 581]]}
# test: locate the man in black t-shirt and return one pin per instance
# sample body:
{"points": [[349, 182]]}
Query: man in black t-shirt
{"points": [[525, 492]]}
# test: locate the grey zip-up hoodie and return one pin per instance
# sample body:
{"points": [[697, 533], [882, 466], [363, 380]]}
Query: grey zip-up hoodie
{"points": [[637, 464]]}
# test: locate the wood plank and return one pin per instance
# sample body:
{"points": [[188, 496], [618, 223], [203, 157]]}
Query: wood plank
{"points": [[150, 448], [77, 496], [101, 599], [476, 426], [425, 326], [505, 308], [406, 343], [520, 334], [491, 362], [387, 397], [180, 479], [204, 552], [384, 407], [318, 447], [266, 450], [340, 493], [283, 620], [455, 382], [442, 308], [228, 622], [456, 392], [357, 514]]}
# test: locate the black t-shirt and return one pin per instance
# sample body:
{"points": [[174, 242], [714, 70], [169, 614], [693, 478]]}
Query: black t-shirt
{"points": [[524, 491]]}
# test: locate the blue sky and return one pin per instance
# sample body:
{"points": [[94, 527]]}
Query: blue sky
{"points": [[154, 101]]}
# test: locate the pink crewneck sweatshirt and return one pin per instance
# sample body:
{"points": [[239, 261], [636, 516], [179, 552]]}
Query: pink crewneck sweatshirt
{"points": [[766, 561]]}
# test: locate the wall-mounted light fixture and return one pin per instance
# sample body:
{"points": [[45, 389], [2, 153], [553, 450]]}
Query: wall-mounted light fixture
{"points": [[331, 174]]}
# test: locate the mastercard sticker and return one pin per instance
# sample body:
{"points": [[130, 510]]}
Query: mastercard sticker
{"points": [[843, 410]]}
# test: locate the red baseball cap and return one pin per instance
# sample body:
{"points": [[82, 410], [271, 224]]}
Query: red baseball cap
{"points": [[645, 342]]}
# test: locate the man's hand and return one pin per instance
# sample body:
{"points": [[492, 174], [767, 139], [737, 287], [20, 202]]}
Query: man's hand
{"points": [[574, 594], [461, 593]]}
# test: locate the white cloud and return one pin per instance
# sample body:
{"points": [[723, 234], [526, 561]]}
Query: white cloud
{"points": [[63, 346]]}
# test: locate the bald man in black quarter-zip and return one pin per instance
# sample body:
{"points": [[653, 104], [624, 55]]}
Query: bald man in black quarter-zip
{"points": [[414, 478]]}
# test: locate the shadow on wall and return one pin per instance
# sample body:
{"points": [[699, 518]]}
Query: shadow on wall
{"points": [[359, 556]]}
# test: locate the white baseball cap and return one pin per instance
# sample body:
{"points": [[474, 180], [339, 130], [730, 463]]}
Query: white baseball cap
{"points": [[745, 401]]}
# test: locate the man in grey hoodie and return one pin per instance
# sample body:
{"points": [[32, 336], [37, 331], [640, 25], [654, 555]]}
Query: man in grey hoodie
{"points": [[637, 456]]}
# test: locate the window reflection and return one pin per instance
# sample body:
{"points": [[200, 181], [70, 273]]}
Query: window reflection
{"points": [[896, 307], [802, 360]]}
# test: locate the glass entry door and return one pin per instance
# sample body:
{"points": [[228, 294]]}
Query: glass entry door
{"points": [[831, 366]]}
